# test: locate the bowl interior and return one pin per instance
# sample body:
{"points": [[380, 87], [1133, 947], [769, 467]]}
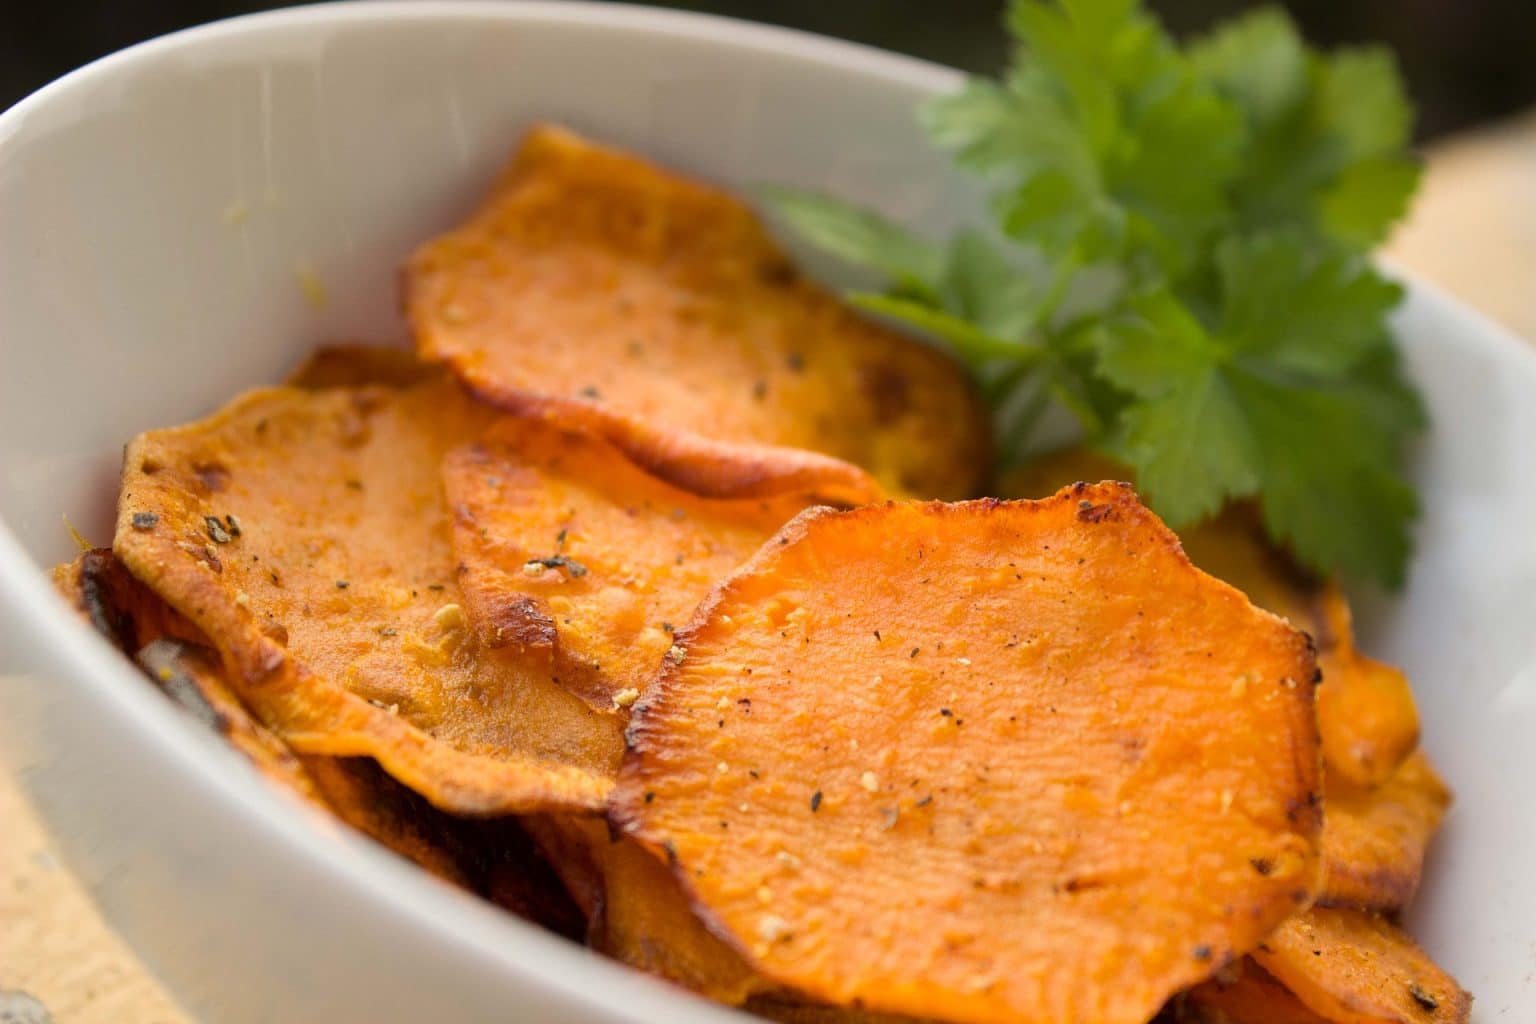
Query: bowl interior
{"points": [[186, 220]]}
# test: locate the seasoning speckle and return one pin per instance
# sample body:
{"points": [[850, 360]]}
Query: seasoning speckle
{"points": [[1422, 997], [870, 781], [626, 697], [216, 530], [535, 566]]}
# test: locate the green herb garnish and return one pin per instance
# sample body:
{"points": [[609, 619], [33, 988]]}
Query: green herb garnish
{"points": [[1179, 256]]}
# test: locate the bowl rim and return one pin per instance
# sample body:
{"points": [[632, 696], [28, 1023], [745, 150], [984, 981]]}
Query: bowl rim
{"points": [[498, 940]]}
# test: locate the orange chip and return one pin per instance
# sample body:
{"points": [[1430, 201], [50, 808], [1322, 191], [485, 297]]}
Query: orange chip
{"points": [[982, 761], [306, 534], [1374, 839], [605, 293], [175, 655], [563, 542], [493, 858], [1253, 996], [1367, 718], [356, 366], [1366, 713], [1352, 967], [636, 912]]}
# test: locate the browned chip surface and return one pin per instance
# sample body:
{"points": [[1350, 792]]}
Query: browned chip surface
{"points": [[563, 541], [307, 535], [1253, 996], [356, 366], [1374, 840], [987, 761], [493, 858], [637, 913], [1356, 968], [610, 294], [173, 653]]}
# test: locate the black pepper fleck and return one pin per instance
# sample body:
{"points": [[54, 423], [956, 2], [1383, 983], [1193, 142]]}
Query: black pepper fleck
{"points": [[1422, 997], [816, 801], [216, 530]]}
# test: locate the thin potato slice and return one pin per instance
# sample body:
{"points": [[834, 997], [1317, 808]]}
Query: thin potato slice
{"points": [[1352, 967], [786, 1010], [636, 912], [1366, 713], [306, 534], [982, 761], [357, 366], [176, 657], [606, 293], [1252, 997], [494, 859], [563, 542], [1374, 840]]}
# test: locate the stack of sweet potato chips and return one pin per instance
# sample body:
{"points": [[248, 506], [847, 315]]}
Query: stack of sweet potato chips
{"points": [[643, 601]]}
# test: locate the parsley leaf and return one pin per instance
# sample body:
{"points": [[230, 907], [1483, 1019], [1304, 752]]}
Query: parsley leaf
{"points": [[1288, 398], [859, 236], [1180, 260], [1328, 132]]}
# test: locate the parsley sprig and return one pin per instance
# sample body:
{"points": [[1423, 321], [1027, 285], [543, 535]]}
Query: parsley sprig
{"points": [[1179, 256]]}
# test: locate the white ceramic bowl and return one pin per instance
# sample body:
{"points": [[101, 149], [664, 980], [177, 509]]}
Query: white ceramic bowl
{"points": [[165, 215]]}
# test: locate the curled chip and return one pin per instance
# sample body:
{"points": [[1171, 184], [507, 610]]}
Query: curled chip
{"points": [[1250, 995], [356, 366], [636, 912], [982, 761], [563, 542], [603, 292], [306, 534], [174, 654], [492, 858], [1351, 967], [1366, 714], [1374, 840]]}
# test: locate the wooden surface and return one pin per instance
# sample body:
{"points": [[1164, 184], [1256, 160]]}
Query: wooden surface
{"points": [[1473, 232]]}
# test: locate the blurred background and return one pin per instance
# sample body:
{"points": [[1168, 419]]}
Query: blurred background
{"points": [[1467, 61]]}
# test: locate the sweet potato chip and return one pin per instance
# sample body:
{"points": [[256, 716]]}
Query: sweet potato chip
{"points": [[982, 761], [609, 294], [494, 858], [306, 534], [1352, 967], [786, 1010], [357, 366], [1374, 839], [1366, 713], [1367, 718], [1252, 996], [636, 912], [176, 657], [563, 542]]}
